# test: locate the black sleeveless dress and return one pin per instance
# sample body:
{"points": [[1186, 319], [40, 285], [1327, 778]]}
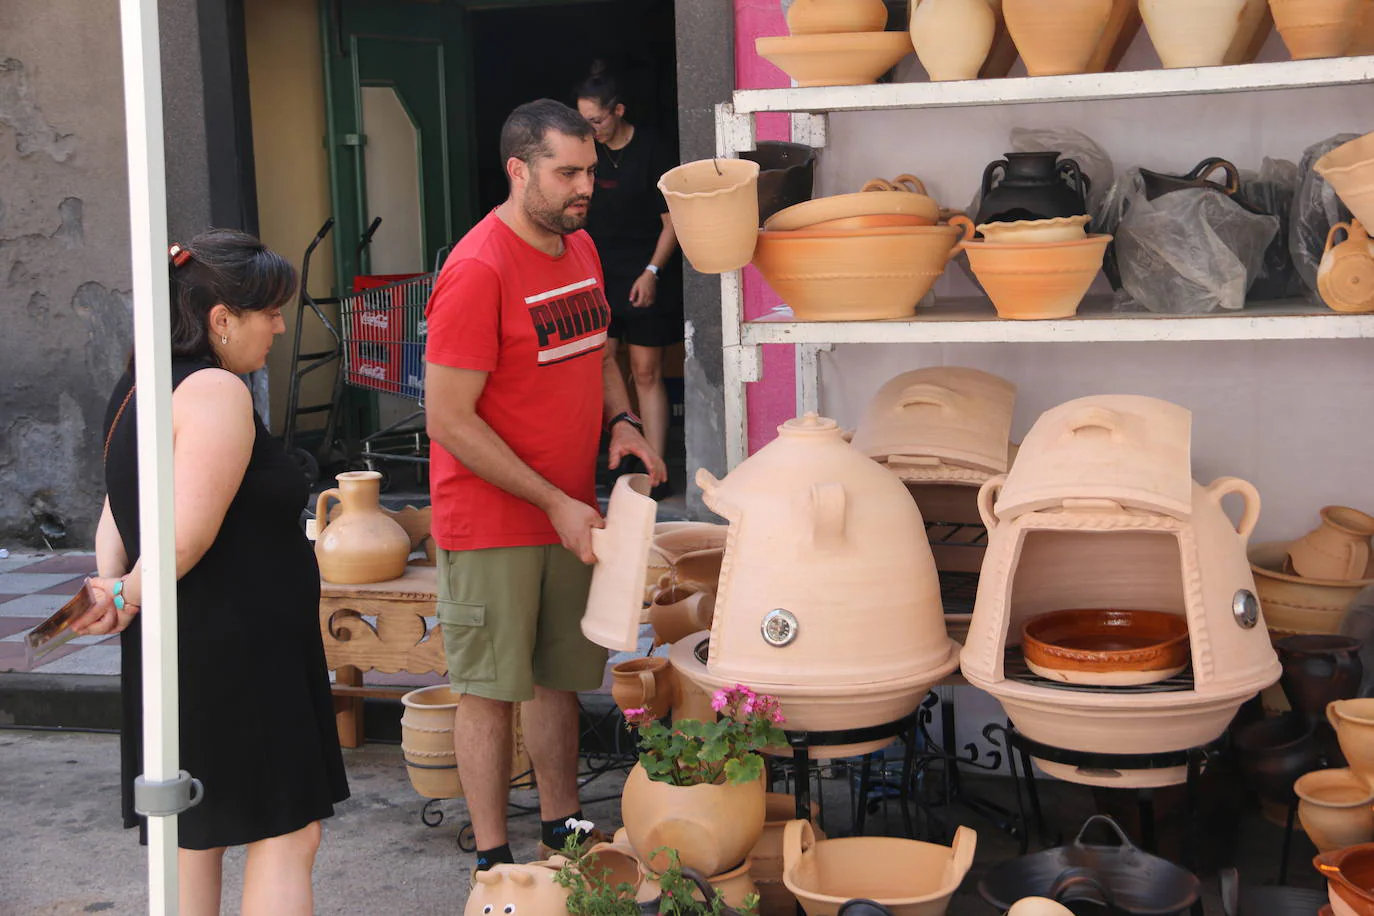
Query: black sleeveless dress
{"points": [[257, 722]]}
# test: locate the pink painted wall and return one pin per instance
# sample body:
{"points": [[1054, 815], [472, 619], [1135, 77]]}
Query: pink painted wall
{"points": [[774, 399]]}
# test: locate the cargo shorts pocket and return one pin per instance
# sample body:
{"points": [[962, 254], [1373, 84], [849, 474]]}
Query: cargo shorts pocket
{"points": [[468, 645]]}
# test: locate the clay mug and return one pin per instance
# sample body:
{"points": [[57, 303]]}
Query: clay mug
{"points": [[1319, 669], [1353, 721], [644, 683], [1345, 277], [1337, 549], [1336, 809], [680, 611]]}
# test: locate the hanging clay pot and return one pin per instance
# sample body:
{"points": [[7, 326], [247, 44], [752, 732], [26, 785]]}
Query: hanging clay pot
{"points": [[517, 889], [952, 37], [1335, 808], [715, 208], [364, 544], [1338, 548], [1349, 169], [1056, 36], [1033, 186], [1353, 721], [1192, 33], [1316, 28], [825, 17], [649, 684], [1345, 277], [711, 827]]}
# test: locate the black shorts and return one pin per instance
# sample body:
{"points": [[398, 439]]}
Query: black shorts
{"points": [[659, 325]]}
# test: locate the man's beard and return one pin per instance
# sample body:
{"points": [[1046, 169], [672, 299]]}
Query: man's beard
{"points": [[553, 216]]}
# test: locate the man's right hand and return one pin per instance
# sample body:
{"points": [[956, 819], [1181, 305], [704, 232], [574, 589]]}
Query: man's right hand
{"points": [[574, 521]]}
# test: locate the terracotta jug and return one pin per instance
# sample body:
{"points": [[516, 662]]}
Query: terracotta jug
{"points": [[715, 208], [952, 37], [1316, 28], [1319, 669], [1353, 721], [363, 544], [1033, 186], [826, 17], [711, 827], [1192, 33], [680, 611], [644, 683], [1345, 278], [1336, 549], [1056, 36], [517, 889], [1334, 807]]}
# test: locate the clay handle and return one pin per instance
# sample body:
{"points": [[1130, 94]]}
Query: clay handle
{"points": [[1331, 715], [1095, 418], [905, 182], [1124, 843], [987, 498], [878, 184], [1223, 486], [990, 172], [1072, 878], [1349, 231], [1208, 166], [828, 504], [966, 224], [964, 846], [926, 394], [797, 838], [322, 509], [648, 685], [1080, 181]]}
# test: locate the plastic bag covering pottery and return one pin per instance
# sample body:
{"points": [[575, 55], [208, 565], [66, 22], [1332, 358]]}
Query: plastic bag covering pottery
{"points": [[1315, 210]]}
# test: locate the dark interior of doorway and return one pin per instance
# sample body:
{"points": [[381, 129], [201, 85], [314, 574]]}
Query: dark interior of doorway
{"points": [[544, 51]]}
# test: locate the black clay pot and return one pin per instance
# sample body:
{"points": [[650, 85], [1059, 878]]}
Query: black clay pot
{"points": [[1267, 901], [1272, 753], [1318, 669], [1033, 186], [863, 908], [786, 175], [1157, 184]]}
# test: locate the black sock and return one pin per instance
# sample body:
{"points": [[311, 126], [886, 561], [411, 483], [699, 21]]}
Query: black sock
{"points": [[555, 833], [486, 858]]}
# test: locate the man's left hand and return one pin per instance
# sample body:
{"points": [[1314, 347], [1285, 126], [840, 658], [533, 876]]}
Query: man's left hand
{"points": [[625, 441], [645, 291]]}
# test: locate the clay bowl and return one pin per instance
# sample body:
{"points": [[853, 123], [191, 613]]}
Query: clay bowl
{"points": [[1292, 604], [1350, 170], [1334, 807], [876, 221], [1106, 648], [839, 59], [812, 213], [831, 17], [1029, 281], [1350, 878], [1036, 231], [858, 275]]}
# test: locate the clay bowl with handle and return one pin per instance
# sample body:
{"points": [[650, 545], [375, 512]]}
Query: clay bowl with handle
{"points": [[1108, 648], [905, 197]]}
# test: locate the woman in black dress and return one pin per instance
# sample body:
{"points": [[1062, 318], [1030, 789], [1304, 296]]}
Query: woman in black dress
{"points": [[628, 219], [257, 724]]}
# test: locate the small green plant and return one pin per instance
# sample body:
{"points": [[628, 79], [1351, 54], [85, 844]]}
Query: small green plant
{"points": [[676, 894], [692, 753]]}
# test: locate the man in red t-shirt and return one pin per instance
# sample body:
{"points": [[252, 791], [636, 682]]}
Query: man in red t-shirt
{"points": [[517, 386]]}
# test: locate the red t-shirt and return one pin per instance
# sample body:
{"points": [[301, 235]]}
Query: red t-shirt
{"points": [[537, 325]]}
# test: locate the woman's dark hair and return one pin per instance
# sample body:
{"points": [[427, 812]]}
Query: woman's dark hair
{"points": [[600, 86], [224, 266]]}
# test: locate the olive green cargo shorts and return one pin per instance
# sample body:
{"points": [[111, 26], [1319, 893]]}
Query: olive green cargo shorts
{"points": [[512, 618]]}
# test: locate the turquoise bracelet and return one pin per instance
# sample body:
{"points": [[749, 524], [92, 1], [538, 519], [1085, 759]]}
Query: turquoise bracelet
{"points": [[119, 595]]}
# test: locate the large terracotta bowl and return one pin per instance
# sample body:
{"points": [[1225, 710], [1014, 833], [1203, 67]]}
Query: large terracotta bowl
{"points": [[812, 213], [1350, 170], [861, 275], [1028, 281], [1106, 647], [839, 59], [1293, 604]]}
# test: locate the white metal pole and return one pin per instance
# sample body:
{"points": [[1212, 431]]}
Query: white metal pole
{"points": [[153, 376]]}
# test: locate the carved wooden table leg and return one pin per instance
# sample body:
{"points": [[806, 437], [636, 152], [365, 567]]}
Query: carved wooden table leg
{"points": [[348, 710]]}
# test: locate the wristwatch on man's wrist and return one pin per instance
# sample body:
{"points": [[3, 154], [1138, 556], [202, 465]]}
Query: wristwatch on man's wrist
{"points": [[628, 417]]}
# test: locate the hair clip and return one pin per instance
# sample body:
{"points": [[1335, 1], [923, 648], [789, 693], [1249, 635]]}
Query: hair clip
{"points": [[179, 255]]}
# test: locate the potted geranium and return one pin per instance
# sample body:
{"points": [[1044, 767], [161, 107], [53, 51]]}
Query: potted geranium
{"points": [[698, 787]]}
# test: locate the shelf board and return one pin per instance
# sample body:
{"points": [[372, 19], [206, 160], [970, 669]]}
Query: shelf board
{"points": [[972, 320], [1130, 84]]}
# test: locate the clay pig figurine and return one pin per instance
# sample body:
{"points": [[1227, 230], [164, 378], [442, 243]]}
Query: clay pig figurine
{"points": [[516, 890]]}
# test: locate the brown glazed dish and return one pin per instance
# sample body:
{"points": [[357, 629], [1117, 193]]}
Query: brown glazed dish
{"points": [[1096, 646]]}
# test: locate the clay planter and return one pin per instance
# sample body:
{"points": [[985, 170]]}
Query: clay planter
{"points": [[1035, 281], [644, 683], [873, 274], [914, 206], [363, 544], [427, 741], [1336, 808], [1192, 33], [1293, 604], [1035, 231], [712, 827], [1316, 28], [1272, 753], [616, 598], [843, 59], [1353, 721], [823, 17], [1106, 648], [1349, 168], [1056, 36], [952, 37], [1345, 278], [715, 208], [679, 612], [1349, 875], [517, 889], [1318, 670], [1336, 549], [909, 877]]}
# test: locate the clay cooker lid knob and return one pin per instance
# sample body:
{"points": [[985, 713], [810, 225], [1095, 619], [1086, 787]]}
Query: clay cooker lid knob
{"points": [[810, 425]]}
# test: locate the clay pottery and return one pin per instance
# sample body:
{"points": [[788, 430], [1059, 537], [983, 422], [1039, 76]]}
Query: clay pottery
{"points": [[1003, 54], [644, 683], [517, 889], [852, 276], [875, 200], [909, 877], [1038, 906], [1353, 721], [1349, 168], [1037, 281], [780, 809], [823, 17], [363, 544], [1345, 278], [619, 858], [1035, 231], [715, 208], [786, 174], [733, 886], [1336, 808], [1253, 900], [1272, 753], [1122, 27], [860, 223], [1192, 33], [1157, 184], [1316, 28], [616, 598], [1293, 604], [712, 827], [681, 611], [952, 37], [1363, 40], [1336, 549], [1349, 877], [1056, 36], [1318, 670], [427, 741], [1256, 22], [1106, 648], [842, 59], [1033, 186]]}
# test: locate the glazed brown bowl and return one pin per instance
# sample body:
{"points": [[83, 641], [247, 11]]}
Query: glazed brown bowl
{"points": [[1106, 647]]}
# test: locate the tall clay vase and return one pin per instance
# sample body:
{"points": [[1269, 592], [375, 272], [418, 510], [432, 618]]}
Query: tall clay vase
{"points": [[1336, 549], [952, 37], [1192, 33], [1345, 278], [1353, 721], [1318, 670], [711, 827], [1316, 28], [1056, 36], [715, 208], [363, 544]]}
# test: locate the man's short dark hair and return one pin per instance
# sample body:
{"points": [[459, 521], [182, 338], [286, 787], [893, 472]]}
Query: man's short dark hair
{"points": [[525, 131]]}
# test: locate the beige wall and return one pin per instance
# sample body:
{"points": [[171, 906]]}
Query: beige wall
{"points": [[286, 86]]}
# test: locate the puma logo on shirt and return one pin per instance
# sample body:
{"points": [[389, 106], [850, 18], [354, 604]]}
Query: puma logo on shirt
{"points": [[569, 321]]}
